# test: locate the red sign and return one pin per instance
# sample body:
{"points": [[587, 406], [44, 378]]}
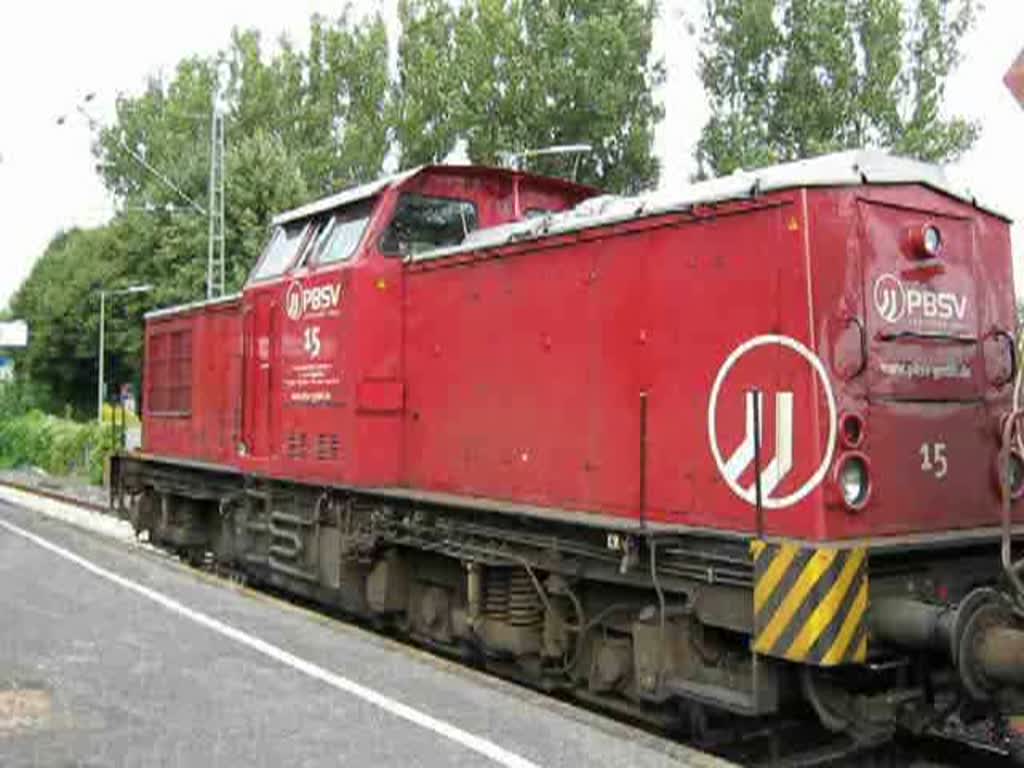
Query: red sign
{"points": [[1014, 78]]}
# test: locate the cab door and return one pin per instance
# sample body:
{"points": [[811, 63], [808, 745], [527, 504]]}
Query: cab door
{"points": [[323, 346], [259, 307]]}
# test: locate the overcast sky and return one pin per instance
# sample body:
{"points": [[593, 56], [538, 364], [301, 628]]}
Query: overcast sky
{"points": [[52, 53]]}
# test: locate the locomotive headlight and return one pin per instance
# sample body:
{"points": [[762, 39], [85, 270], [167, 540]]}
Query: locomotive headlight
{"points": [[931, 240], [853, 482], [922, 242], [1015, 475]]}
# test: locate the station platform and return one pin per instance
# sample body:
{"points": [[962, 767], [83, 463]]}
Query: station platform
{"points": [[112, 654]]}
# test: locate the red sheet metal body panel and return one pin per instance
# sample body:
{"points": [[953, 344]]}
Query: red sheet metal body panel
{"points": [[614, 369], [526, 369], [527, 366], [193, 387], [938, 338]]}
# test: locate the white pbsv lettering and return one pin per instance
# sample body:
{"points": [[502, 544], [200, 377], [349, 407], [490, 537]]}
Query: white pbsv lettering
{"points": [[321, 297], [895, 300]]}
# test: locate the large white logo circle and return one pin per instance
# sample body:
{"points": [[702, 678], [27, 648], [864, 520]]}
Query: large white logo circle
{"points": [[749, 494], [293, 300], [890, 297]]}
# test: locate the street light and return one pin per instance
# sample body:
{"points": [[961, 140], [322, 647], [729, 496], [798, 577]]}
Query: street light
{"points": [[142, 288]]}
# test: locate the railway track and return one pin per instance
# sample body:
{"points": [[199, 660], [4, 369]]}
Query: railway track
{"points": [[777, 743]]}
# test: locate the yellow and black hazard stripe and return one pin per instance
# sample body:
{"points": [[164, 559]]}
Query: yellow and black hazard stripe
{"points": [[810, 603]]}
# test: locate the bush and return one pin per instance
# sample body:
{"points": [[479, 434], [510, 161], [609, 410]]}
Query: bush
{"points": [[16, 398], [58, 446]]}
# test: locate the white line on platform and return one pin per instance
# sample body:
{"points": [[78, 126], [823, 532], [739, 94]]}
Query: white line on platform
{"points": [[475, 743]]}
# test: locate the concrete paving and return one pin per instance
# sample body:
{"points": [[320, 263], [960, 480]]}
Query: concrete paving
{"points": [[111, 655]]}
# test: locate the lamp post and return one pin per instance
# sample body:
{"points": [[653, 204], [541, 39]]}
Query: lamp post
{"points": [[103, 312]]}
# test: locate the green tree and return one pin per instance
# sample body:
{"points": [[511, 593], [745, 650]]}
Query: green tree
{"points": [[298, 124], [425, 97], [323, 105], [511, 75], [502, 75], [788, 79], [60, 302]]}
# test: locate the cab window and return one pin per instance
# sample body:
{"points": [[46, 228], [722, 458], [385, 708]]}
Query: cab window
{"points": [[341, 234], [281, 250], [424, 223]]}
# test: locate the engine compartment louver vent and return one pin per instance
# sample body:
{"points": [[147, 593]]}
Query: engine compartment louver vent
{"points": [[295, 447], [327, 447]]}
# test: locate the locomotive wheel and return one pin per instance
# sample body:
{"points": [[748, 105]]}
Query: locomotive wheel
{"points": [[830, 703], [840, 711]]}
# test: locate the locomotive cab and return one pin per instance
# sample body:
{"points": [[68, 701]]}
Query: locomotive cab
{"points": [[300, 329], [324, 386]]}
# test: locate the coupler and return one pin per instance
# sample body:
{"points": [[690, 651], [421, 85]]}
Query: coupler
{"points": [[982, 637]]}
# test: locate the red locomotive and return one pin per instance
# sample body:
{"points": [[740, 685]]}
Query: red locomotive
{"points": [[742, 448]]}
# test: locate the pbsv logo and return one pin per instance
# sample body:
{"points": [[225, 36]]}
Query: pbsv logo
{"points": [[894, 301], [298, 300], [743, 456], [744, 377], [890, 298], [293, 300]]}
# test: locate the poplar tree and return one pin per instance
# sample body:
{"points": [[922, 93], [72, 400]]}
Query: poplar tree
{"points": [[506, 76], [788, 79]]}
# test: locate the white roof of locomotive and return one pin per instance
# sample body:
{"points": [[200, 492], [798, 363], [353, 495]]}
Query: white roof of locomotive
{"points": [[346, 196], [836, 170]]}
